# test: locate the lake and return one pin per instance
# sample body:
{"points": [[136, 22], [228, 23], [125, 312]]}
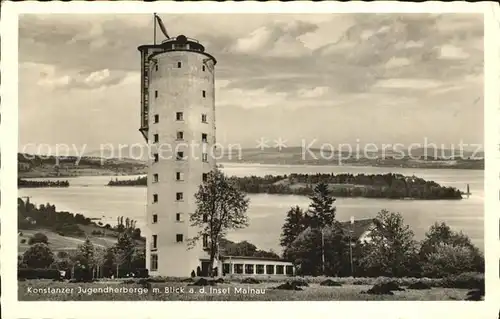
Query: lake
{"points": [[90, 197]]}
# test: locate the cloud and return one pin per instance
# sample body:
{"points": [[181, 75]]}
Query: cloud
{"points": [[275, 39], [325, 68], [452, 52]]}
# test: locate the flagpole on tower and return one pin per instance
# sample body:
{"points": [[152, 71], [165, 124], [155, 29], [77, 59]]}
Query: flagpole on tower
{"points": [[154, 32]]}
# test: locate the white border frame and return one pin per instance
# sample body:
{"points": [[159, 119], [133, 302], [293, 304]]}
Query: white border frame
{"points": [[387, 309]]}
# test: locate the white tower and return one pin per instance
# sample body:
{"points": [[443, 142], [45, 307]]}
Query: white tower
{"points": [[178, 122]]}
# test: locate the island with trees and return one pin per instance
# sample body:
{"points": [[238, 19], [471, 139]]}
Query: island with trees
{"points": [[389, 186]]}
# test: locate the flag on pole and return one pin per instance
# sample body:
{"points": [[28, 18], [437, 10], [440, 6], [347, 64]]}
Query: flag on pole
{"points": [[162, 26], [352, 220]]}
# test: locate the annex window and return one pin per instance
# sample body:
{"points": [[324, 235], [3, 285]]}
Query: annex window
{"points": [[204, 137], [204, 118], [270, 269], [180, 156], [154, 244], [155, 178], [179, 196], [260, 269], [179, 65], [179, 238], [289, 270], [179, 116], [155, 218], [249, 269], [155, 198], [204, 93], [204, 177], [156, 94], [179, 176], [226, 268], [154, 262], [156, 138], [180, 135], [157, 118], [279, 269], [238, 268], [178, 217]]}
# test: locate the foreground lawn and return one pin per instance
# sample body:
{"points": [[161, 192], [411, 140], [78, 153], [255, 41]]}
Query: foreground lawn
{"points": [[33, 290]]}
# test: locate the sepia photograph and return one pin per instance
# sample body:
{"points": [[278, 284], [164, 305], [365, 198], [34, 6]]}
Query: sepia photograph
{"points": [[251, 157]]}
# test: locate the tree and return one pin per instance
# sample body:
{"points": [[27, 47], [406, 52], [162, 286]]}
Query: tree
{"points": [[321, 211], [441, 234], [38, 238], [321, 214], [86, 253], [221, 206], [391, 250], [446, 260], [294, 225], [38, 255], [124, 251]]}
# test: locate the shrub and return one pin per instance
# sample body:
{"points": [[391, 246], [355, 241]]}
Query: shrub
{"points": [[467, 280], [38, 238], [23, 241], [38, 256], [36, 273]]}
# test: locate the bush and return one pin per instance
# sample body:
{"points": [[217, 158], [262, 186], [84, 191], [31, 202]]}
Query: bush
{"points": [[38, 238], [23, 241], [468, 280], [137, 272], [36, 273]]}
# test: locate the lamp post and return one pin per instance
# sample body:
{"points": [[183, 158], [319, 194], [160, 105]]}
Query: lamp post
{"points": [[350, 245]]}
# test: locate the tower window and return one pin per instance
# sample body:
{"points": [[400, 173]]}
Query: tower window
{"points": [[180, 135], [157, 118], [204, 157], [203, 68], [155, 198], [204, 177], [156, 157], [156, 67], [205, 240], [155, 242], [180, 156], [156, 138], [179, 238], [203, 138], [179, 64], [155, 218], [179, 176], [179, 116], [204, 118], [155, 178], [178, 217], [179, 196], [204, 93], [154, 262], [156, 94]]}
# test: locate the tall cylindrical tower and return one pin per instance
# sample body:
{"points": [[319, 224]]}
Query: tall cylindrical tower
{"points": [[178, 122]]}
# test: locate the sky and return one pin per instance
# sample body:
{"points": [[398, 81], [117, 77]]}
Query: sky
{"points": [[313, 78]]}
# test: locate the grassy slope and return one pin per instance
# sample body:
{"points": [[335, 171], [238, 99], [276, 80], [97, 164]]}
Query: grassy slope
{"points": [[313, 292], [59, 243]]}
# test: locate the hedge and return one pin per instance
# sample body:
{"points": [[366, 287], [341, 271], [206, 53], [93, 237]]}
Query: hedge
{"points": [[37, 273]]}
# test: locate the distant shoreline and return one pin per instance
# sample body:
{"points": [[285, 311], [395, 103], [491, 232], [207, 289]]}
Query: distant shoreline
{"points": [[79, 172]]}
